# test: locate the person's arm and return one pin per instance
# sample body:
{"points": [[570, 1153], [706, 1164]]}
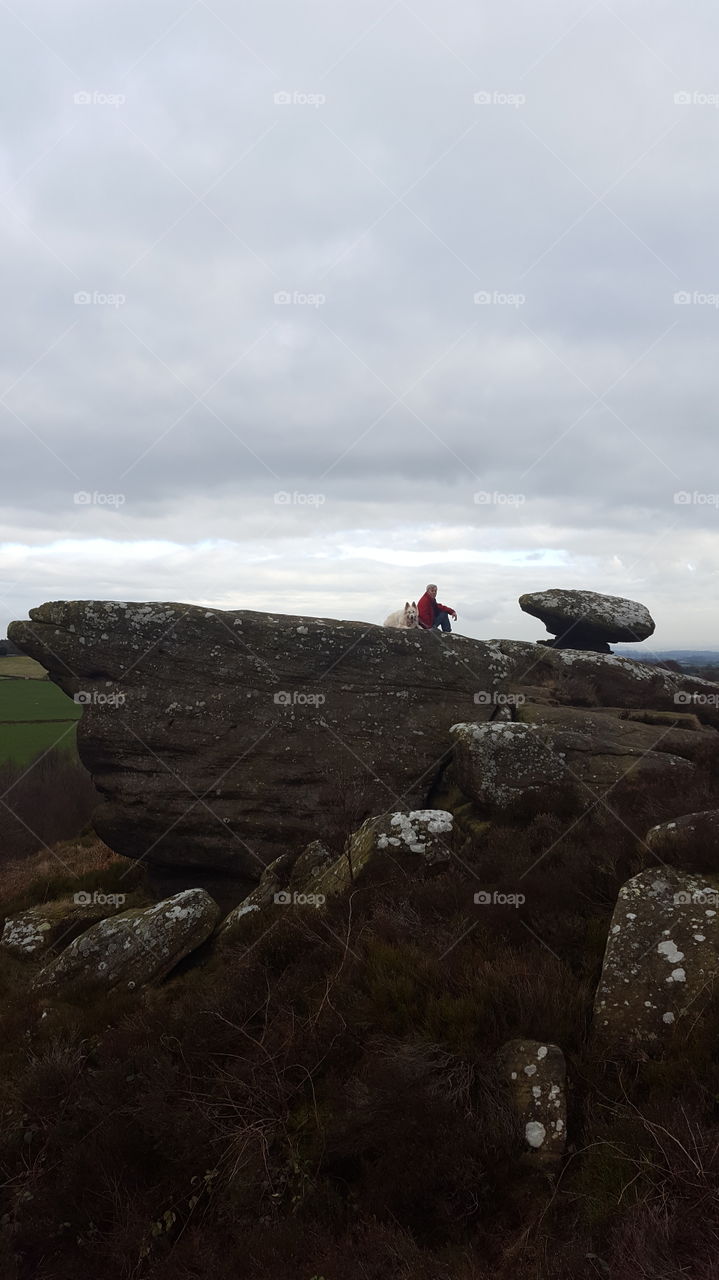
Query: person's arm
{"points": [[447, 609]]}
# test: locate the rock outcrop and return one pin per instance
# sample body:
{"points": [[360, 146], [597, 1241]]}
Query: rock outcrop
{"points": [[498, 762], [535, 1073], [588, 620], [222, 740], [661, 961], [136, 947], [36, 930], [428, 835], [687, 834]]}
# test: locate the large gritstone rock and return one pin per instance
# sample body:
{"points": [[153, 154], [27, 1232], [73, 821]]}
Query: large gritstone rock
{"points": [[135, 947], [536, 1075], [47, 925], [497, 763], [661, 961], [693, 833], [588, 620], [222, 740]]}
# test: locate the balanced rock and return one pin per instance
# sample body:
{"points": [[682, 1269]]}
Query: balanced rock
{"points": [[135, 947], [536, 1075], [588, 620], [39, 928], [661, 959], [221, 740]]}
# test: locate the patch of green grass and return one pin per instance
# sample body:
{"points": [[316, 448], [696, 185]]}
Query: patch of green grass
{"points": [[35, 700], [20, 743], [20, 665]]}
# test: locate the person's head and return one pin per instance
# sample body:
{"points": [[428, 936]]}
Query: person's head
{"points": [[431, 589]]}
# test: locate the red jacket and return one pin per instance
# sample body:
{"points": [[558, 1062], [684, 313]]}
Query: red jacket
{"points": [[428, 608]]}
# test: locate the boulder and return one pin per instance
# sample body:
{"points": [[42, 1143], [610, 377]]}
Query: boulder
{"points": [[135, 947], [535, 1073], [220, 740], [498, 762], [36, 930], [661, 961], [428, 834], [586, 619], [693, 832]]}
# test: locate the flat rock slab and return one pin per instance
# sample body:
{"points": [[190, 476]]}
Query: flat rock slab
{"points": [[535, 1073], [497, 763], [222, 739], [609, 619], [661, 961], [135, 947]]}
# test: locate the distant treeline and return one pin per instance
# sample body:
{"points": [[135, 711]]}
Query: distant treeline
{"points": [[8, 649]]}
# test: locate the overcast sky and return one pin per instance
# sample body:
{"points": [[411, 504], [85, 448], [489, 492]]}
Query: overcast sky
{"points": [[306, 305]]}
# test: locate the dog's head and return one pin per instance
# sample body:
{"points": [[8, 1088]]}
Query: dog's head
{"points": [[411, 617]]}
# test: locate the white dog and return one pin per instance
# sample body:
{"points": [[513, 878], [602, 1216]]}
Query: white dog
{"points": [[406, 618]]}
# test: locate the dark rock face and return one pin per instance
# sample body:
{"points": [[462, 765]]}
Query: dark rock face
{"points": [[221, 740], [588, 620]]}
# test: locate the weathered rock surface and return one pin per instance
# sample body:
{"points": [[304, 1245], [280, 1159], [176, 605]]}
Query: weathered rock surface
{"points": [[536, 1073], [429, 834], [222, 739], [135, 947], [690, 832], [39, 928], [496, 763], [661, 960], [588, 619]]}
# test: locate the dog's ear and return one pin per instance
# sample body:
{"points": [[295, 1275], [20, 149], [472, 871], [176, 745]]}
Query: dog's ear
{"points": [[414, 604], [406, 604]]}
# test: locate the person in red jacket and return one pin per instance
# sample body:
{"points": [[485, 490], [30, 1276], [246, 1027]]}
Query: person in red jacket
{"points": [[431, 614]]}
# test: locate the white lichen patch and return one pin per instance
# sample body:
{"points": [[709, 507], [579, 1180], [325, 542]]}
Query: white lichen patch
{"points": [[535, 1133]]}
